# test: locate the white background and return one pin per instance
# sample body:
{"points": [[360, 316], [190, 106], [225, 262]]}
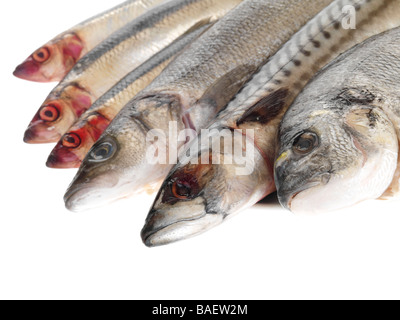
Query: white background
{"points": [[47, 252]]}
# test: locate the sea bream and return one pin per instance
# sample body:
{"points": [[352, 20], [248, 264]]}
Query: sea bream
{"points": [[339, 141], [52, 61], [198, 195], [189, 92], [114, 58], [75, 144]]}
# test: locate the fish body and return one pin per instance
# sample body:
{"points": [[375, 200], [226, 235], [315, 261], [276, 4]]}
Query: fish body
{"points": [[75, 144], [114, 58], [189, 93], [257, 109], [339, 140], [52, 61]]}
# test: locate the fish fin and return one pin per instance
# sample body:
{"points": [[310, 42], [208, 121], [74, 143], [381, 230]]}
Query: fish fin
{"points": [[202, 24], [267, 108], [394, 189], [226, 87]]}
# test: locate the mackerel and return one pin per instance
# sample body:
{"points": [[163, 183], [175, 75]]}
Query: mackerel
{"points": [[197, 197]]}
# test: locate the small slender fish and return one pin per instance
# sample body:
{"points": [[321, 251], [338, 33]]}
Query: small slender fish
{"points": [[197, 197], [52, 61], [339, 141], [188, 93], [75, 144], [114, 58]]}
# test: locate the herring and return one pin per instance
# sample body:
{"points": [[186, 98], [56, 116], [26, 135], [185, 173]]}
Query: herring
{"points": [[52, 61], [114, 58]]}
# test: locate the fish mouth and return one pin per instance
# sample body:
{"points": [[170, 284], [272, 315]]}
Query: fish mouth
{"points": [[29, 70], [60, 158], [163, 227], [96, 192], [38, 134], [286, 198], [55, 161]]}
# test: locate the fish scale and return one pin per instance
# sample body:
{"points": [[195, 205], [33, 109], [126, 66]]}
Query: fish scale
{"points": [[115, 57], [358, 132], [73, 44], [190, 91], [260, 106], [74, 145]]}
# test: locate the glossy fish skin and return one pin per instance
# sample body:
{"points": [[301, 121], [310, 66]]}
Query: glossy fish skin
{"points": [[75, 144], [190, 91], [52, 61], [114, 58], [260, 106], [339, 142]]}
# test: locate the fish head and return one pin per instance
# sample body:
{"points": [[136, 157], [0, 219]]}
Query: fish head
{"points": [[204, 189], [57, 114], [73, 146], [115, 167], [52, 61], [335, 156]]}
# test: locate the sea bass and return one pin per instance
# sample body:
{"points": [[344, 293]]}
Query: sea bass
{"points": [[198, 195], [52, 61], [114, 58], [339, 141], [75, 144], [187, 95]]}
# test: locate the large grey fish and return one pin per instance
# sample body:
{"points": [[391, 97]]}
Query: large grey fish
{"points": [[75, 144], [189, 92], [52, 61], [339, 141], [114, 58], [197, 197]]}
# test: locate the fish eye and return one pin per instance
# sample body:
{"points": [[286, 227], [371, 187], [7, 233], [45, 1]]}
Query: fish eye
{"points": [[71, 140], [305, 143], [41, 55], [102, 152], [181, 189], [49, 112]]}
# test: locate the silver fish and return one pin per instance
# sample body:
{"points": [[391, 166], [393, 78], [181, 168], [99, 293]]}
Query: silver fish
{"points": [[52, 61], [197, 197], [339, 141], [189, 92], [75, 144], [114, 58]]}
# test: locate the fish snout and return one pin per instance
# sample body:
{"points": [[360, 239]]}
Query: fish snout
{"points": [[35, 134], [170, 225], [29, 70]]}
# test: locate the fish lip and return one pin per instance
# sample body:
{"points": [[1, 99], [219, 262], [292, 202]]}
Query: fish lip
{"points": [[70, 193], [147, 234], [28, 70], [31, 136], [55, 161], [286, 197]]}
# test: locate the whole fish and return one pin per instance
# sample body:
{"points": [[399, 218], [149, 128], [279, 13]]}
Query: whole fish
{"points": [[339, 141], [75, 144], [187, 94], [197, 197], [114, 58], [52, 61]]}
